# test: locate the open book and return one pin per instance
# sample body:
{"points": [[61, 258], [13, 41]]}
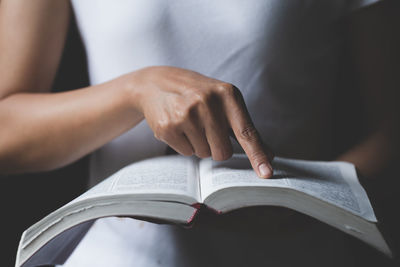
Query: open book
{"points": [[170, 189]]}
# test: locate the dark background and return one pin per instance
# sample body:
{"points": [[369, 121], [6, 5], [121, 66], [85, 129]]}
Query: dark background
{"points": [[25, 199]]}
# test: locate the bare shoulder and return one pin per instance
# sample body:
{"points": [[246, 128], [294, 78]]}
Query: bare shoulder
{"points": [[32, 35]]}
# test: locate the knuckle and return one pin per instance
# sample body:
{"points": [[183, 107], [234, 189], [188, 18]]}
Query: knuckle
{"points": [[201, 98], [226, 89], [248, 133], [180, 117]]}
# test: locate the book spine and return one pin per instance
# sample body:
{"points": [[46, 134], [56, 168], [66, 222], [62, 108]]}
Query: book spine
{"points": [[190, 220]]}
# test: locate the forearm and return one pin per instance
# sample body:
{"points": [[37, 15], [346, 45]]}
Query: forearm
{"points": [[376, 152], [374, 52], [45, 131]]}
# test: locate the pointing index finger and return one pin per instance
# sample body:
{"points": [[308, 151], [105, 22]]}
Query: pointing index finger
{"points": [[247, 135]]}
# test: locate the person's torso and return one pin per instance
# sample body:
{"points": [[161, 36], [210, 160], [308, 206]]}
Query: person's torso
{"points": [[282, 55]]}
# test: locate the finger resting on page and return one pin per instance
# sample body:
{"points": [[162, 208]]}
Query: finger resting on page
{"points": [[248, 138]]}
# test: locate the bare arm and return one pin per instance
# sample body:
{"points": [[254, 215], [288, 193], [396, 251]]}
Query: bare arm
{"points": [[42, 130], [375, 48]]}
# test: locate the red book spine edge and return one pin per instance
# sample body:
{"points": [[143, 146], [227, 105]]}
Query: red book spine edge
{"points": [[190, 220], [198, 207]]}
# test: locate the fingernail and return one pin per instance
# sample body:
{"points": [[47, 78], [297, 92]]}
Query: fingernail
{"points": [[265, 170]]}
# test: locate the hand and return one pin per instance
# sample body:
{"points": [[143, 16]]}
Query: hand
{"points": [[195, 114]]}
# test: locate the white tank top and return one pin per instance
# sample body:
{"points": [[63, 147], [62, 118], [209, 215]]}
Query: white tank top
{"points": [[283, 55]]}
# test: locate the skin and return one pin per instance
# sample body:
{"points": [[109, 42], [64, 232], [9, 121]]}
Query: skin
{"points": [[192, 113], [374, 43]]}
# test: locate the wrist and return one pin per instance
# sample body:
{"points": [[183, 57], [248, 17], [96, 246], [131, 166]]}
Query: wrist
{"points": [[131, 92]]}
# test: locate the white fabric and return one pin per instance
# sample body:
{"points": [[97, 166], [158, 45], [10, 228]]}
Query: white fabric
{"points": [[126, 243], [282, 55]]}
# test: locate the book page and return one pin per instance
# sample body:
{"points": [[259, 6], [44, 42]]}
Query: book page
{"points": [[161, 175], [332, 182], [236, 171]]}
